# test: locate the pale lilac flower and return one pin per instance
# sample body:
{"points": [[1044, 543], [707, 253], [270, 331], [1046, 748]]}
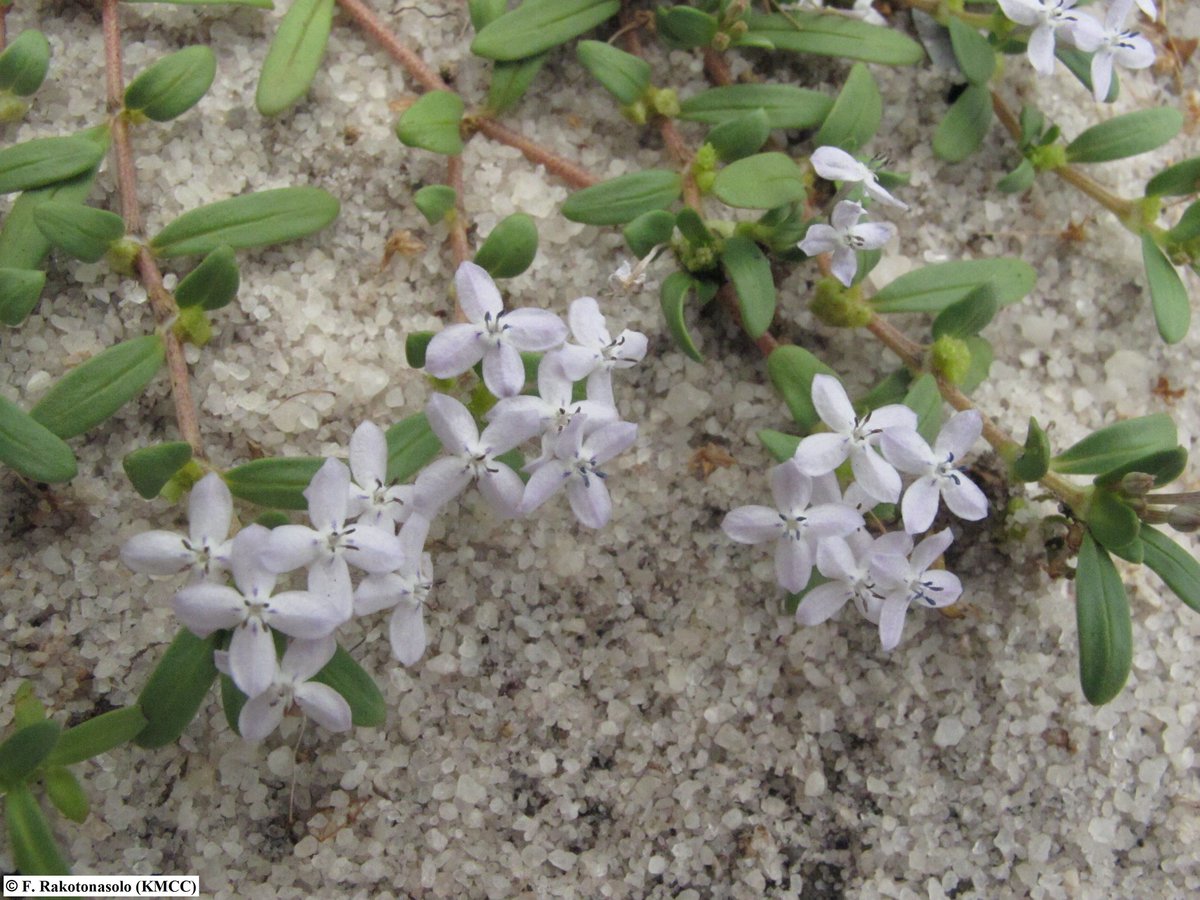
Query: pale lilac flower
{"points": [[905, 578], [846, 562], [595, 352], [835, 164], [795, 525], [251, 611], [263, 712], [205, 550], [472, 456], [372, 500], [492, 334], [857, 439], [1110, 43], [404, 592], [936, 473], [845, 237], [1046, 17], [578, 454], [329, 547]]}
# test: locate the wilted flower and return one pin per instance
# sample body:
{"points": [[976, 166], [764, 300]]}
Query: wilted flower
{"points": [[835, 164]]}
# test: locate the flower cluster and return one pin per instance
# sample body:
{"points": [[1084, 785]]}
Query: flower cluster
{"points": [[817, 524]]}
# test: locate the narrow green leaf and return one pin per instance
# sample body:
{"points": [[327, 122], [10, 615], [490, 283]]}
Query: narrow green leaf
{"points": [[1188, 226], [624, 198], [934, 287], [251, 220], [274, 482], [972, 52], [295, 55], [212, 284], [925, 400], [1125, 136], [232, 702], [484, 11], [27, 708], [838, 36], [786, 106], [1174, 565], [24, 750], [1164, 466], [649, 230], [538, 25], [1177, 180], [962, 130], [750, 271], [412, 445], [740, 136], [34, 850], [150, 468], [686, 28], [433, 123], [1111, 521], [24, 62], [94, 390], [368, 709], [435, 201], [19, 293], [32, 449], [510, 81], [1019, 179], [791, 370], [968, 316], [673, 295], [172, 85], [855, 115], [692, 227], [66, 794], [97, 735], [1105, 630], [83, 232], [763, 181], [176, 688], [1034, 460], [781, 446], [510, 248], [1116, 445], [41, 161], [622, 74], [1172, 309], [415, 345]]}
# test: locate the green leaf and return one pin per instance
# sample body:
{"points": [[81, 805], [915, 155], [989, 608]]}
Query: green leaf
{"points": [[1105, 631], [213, 283], [962, 130], [34, 851], [173, 85], [484, 11], [1116, 445], [673, 296], [435, 201], [412, 445], [19, 293], [97, 735], [510, 81], [24, 750], [150, 468], [686, 28], [176, 688], [31, 448], [66, 794], [933, 288], [538, 25], [781, 446], [368, 709], [624, 198], [1034, 461], [295, 55], [1164, 466], [693, 229], [925, 400], [786, 106], [791, 370], [83, 232], [855, 115], [414, 348], [763, 181], [972, 52], [1175, 566], [1125, 136], [275, 482], [649, 230], [510, 248], [622, 74], [1188, 226], [740, 136], [256, 4], [94, 390], [251, 220], [1172, 309], [40, 162], [27, 708], [24, 63], [968, 316], [750, 271], [838, 36], [433, 123], [1019, 179], [1111, 521], [982, 357], [1177, 180]]}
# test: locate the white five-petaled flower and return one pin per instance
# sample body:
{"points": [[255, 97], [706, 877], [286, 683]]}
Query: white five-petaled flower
{"points": [[846, 562], [835, 164], [857, 439], [937, 475], [1110, 43], [205, 550], [302, 660], [404, 592], [372, 500], [794, 524], [331, 545], [472, 456], [596, 353], [845, 237], [251, 611], [1046, 17], [578, 455], [491, 334], [904, 578]]}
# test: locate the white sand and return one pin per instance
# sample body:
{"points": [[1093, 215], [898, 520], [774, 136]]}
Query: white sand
{"points": [[624, 713]]}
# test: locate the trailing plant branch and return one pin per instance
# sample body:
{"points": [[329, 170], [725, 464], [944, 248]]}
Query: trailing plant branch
{"points": [[375, 27], [459, 245]]}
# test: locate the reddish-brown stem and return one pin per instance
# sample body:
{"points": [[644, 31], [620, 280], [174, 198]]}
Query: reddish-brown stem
{"points": [[412, 63], [717, 69], [3, 26], [568, 171], [727, 297], [161, 301], [459, 245]]}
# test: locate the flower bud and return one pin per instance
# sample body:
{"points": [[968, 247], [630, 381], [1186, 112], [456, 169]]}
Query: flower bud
{"points": [[951, 358], [1137, 484], [1184, 518], [665, 102], [840, 306]]}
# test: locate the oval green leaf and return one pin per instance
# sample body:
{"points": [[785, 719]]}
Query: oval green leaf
{"points": [[1164, 466], [1118, 444], [786, 106], [176, 688], [295, 55], [83, 232], [1125, 136], [19, 293], [39, 162], [672, 296], [412, 445], [740, 136], [1105, 630], [172, 85], [1112, 522], [962, 130], [97, 735], [1177, 180], [368, 709], [433, 123], [624, 198], [932, 288], [686, 28], [213, 283], [484, 11], [649, 230], [510, 81], [24, 750], [781, 446], [66, 793], [1019, 179], [924, 398], [435, 201], [968, 316], [34, 851], [972, 52], [762, 181], [1174, 565], [1172, 309], [150, 468], [830, 35], [415, 345], [855, 115], [510, 248], [538, 25], [791, 370], [24, 62], [750, 272], [1034, 460], [252, 220], [32, 449], [278, 483], [622, 74]]}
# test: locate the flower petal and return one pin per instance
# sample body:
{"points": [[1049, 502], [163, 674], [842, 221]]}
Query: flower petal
{"points": [[305, 658], [503, 370], [832, 405], [1020, 11], [630, 348], [819, 454], [846, 215], [289, 547], [534, 329], [542, 485], [1041, 50], [832, 519], [590, 501], [835, 164], [324, 705], [369, 455], [790, 487], [836, 560], [873, 235], [376, 592], [875, 475], [477, 292], [329, 583], [210, 509], [891, 621], [820, 238], [608, 440], [261, 715], [958, 435], [926, 553], [328, 495], [439, 483], [251, 571], [793, 564], [203, 608], [844, 265], [885, 418], [374, 550], [905, 449], [1102, 70], [964, 498], [252, 663], [752, 524], [454, 349], [587, 323], [407, 632], [157, 553], [308, 615], [940, 588], [822, 603], [515, 426], [502, 488], [452, 423], [920, 504]]}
